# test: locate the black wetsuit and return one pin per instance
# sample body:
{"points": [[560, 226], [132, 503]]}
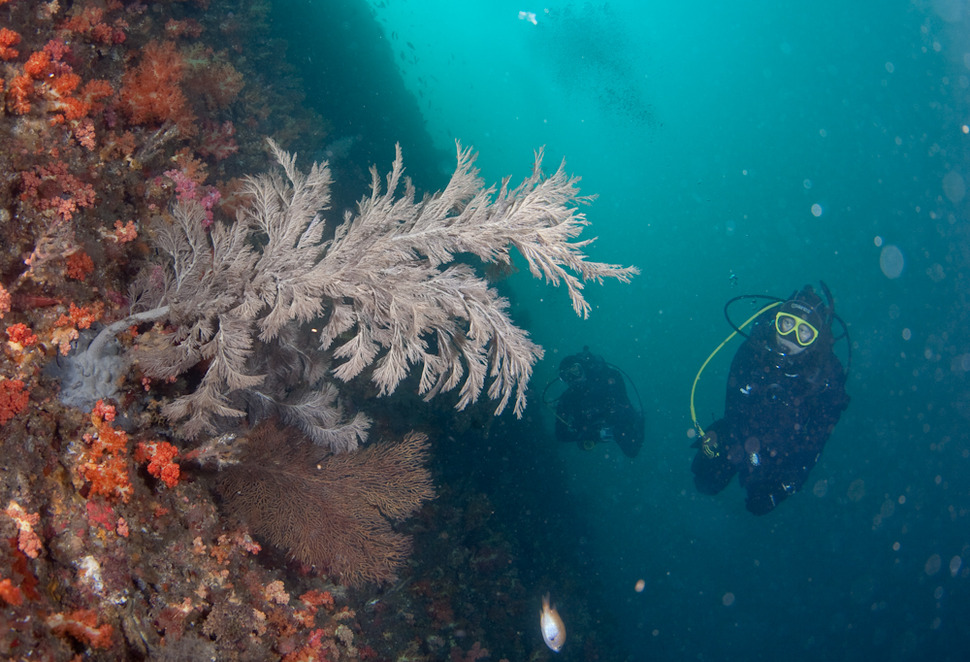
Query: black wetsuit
{"points": [[597, 409], [779, 412]]}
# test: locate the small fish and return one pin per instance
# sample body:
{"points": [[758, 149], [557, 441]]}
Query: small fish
{"points": [[553, 631]]}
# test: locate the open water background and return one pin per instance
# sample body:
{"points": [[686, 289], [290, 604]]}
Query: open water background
{"points": [[778, 143]]}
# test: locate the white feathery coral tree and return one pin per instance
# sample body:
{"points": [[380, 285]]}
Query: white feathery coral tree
{"points": [[388, 290]]}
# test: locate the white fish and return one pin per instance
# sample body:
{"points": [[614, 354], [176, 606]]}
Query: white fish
{"points": [[528, 16], [553, 631]]}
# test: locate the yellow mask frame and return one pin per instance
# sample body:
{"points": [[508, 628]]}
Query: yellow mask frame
{"points": [[782, 318]]}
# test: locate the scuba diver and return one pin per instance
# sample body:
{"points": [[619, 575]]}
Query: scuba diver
{"points": [[595, 408], [785, 393]]}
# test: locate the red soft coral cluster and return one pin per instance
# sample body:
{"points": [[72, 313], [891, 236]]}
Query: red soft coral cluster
{"points": [[81, 317], [78, 265], [160, 456], [90, 22], [4, 301], [13, 399], [218, 141], [88, 99], [52, 187], [313, 600], [104, 463]]}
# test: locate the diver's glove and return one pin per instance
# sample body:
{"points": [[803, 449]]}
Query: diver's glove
{"points": [[708, 444], [762, 499]]}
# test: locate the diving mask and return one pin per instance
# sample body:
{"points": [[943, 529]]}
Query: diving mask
{"points": [[786, 324], [573, 373]]}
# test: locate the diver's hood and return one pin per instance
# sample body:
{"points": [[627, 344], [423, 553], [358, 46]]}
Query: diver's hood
{"points": [[578, 367], [809, 306]]}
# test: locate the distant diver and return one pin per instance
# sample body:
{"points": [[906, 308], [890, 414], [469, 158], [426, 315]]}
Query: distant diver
{"points": [[785, 394], [595, 408]]}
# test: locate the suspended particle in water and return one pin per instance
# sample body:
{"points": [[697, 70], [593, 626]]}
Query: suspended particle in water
{"points": [[817, 210], [857, 490], [891, 261], [953, 186]]}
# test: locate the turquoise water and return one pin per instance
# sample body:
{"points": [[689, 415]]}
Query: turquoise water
{"points": [[782, 144]]}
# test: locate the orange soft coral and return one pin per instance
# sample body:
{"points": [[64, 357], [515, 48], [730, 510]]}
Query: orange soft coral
{"points": [[18, 94], [38, 64], [21, 335], [217, 83], [124, 232], [8, 38], [81, 317], [64, 84], [10, 593], [82, 625], [151, 92], [103, 412], [94, 91]]}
